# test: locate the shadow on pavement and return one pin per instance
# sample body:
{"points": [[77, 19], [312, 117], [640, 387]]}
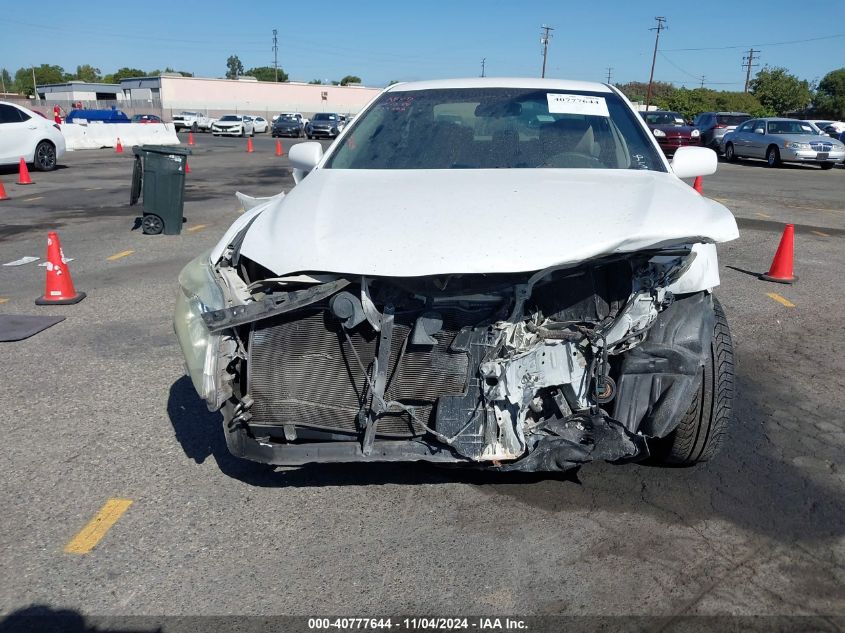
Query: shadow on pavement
{"points": [[745, 484], [39, 618]]}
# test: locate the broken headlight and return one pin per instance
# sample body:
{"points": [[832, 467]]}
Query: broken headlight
{"points": [[199, 293]]}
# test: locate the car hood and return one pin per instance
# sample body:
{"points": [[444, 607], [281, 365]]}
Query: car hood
{"points": [[674, 130], [409, 223]]}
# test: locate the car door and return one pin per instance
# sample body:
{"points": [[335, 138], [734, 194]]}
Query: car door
{"points": [[756, 146], [740, 138], [16, 134]]}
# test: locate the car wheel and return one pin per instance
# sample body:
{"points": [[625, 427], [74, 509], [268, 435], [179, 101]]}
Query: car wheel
{"points": [[194, 127], [730, 155], [772, 156], [827, 165], [243, 132], [699, 435], [152, 224], [45, 156]]}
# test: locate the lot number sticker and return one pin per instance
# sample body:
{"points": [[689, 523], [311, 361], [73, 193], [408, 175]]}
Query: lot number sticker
{"points": [[577, 104]]}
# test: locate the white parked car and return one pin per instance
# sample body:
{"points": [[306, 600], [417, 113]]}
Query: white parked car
{"points": [[831, 128], [525, 286], [233, 125], [192, 121], [259, 124], [28, 135]]}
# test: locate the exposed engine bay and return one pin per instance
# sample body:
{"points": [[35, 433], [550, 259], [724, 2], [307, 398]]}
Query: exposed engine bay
{"points": [[516, 371]]}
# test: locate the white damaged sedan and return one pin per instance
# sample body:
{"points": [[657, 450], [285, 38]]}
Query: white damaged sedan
{"points": [[501, 273]]}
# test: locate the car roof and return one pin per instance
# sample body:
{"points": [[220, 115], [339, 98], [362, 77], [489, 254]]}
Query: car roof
{"points": [[503, 82], [736, 113]]}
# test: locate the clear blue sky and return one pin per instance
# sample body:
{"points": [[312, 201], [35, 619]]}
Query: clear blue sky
{"points": [[381, 40]]}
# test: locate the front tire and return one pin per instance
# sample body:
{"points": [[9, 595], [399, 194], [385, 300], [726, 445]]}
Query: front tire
{"points": [[730, 154], [194, 127], [827, 165], [44, 158], [773, 157], [700, 433]]}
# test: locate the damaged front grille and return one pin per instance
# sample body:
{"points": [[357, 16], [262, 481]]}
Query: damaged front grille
{"points": [[303, 371]]}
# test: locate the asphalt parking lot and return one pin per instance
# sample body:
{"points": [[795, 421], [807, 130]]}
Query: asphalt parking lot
{"points": [[97, 408]]}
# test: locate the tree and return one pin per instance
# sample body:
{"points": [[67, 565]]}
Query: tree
{"points": [[6, 84], [123, 73], [44, 74], [636, 90], [739, 102], [87, 72], [830, 96], [687, 102], [350, 79], [266, 73], [779, 91], [234, 67], [316, 82]]}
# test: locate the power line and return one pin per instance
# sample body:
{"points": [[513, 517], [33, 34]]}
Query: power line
{"points": [[747, 63], [660, 26], [276, 53], [724, 48], [545, 36]]}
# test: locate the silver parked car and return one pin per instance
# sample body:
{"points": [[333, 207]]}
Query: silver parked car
{"points": [[782, 140]]}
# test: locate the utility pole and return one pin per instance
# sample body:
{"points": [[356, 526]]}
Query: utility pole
{"points": [[35, 86], [748, 63], [703, 77], [660, 26], [609, 73], [544, 40], [483, 64], [276, 53]]}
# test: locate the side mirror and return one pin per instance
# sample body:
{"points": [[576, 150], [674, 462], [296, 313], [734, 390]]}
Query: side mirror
{"points": [[759, 130], [690, 162], [304, 157]]}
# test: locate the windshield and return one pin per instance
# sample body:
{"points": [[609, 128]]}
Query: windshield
{"points": [[286, 119], [790, 127], [230, 117], [731, 119], [322, 116], [483, 128], [663, 118]]}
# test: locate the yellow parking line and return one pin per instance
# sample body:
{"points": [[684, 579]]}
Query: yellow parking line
{"points": [[33, 199], [776, 297], [820, 233], [196, 228], [3, 299], [97, 527], [763, 215], [111, 258]]}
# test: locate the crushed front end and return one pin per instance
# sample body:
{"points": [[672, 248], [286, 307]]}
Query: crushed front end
{"points": [[517, 371]]}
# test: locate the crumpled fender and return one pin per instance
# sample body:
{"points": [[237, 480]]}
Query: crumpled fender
{"points": [[659, 378]]}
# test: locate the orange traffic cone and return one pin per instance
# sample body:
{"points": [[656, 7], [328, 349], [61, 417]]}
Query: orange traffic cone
{"points": [[781, 268], [249, 145], [279, 150], [697, 185], [3, 195], [119, 147], [190, 138], [187, 167], [23, 174], [59, 287]]}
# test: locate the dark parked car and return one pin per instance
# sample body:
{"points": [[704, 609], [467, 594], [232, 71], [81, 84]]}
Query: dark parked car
{"points": [[324, 124], [714, 125], [287, 126], [671, 130], [146, 118]]}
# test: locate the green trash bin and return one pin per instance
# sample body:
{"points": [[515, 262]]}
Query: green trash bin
{"points": [[160, 172]]}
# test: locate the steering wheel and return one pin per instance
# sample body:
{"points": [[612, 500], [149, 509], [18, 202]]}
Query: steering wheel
{"points": [[572, 160]]}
